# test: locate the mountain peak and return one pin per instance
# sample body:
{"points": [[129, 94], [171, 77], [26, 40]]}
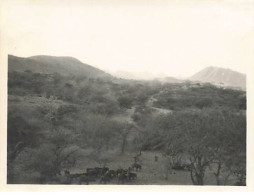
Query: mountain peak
{"points": [[214, 74]]}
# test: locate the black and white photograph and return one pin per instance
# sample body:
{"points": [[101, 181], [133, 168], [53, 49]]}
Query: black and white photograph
{"points": [[127, 92]]}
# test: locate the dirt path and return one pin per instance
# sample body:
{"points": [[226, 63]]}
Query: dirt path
{"points": [[125, 116], [150, 102]]}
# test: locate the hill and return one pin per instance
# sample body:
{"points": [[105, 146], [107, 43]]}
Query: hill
{"points": [[220, 76], [49, 64]]}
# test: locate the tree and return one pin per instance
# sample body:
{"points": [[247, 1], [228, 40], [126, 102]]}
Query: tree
{"points": [[207, 137], [124, 132], [58, 149], [227, 145], [125, 102], [21, 134], [54, 155], [98, 132]]}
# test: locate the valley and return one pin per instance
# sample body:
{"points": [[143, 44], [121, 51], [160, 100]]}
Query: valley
{"points": [[80, 117]]}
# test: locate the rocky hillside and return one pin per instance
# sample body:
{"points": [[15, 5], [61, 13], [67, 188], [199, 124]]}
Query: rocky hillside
{"points": [[220, 76]]}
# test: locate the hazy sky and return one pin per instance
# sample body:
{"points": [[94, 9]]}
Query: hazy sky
{"points": [[177, 38]]}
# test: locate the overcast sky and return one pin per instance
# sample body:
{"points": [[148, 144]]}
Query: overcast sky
{"points": [[176, 38]]}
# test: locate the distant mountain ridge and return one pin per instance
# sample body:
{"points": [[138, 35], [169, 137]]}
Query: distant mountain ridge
{"points": [[70, 66], [161, 77], [51, 64], [220, 76]]}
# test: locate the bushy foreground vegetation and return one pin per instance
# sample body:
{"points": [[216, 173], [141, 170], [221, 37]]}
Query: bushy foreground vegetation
{"points": [[56, 122]]}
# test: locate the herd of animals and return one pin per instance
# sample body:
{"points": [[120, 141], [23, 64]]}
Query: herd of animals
{"points": [[104, 175]]}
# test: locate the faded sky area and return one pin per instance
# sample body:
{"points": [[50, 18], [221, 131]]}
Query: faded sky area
{"points": [[174, 38]]}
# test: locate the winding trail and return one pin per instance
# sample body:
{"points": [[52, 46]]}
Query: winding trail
{"points": [[150, 102], [127, 115]]}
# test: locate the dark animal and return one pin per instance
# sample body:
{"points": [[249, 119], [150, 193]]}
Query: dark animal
{"points": [[65, 179], [76, 175], [178, 167], [135, 159], [122, 177], [111, 173], [86, 178], [97, 171], [119, 171], [105, 178], [132, 176], [94, 172], [136, 166], [66, 172], [104, 170]]}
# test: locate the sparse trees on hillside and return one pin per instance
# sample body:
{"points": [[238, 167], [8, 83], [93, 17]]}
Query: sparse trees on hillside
{"points": [[21, 134], [208, 138], [55, 149], [58, 153], [206, 129], [125, 102], [98, 132]]}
